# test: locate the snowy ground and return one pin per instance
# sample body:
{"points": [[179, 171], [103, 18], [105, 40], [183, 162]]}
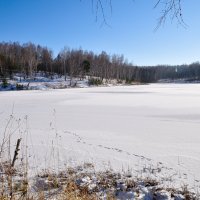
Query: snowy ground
{"points": [[141, 128], [41, 82]]}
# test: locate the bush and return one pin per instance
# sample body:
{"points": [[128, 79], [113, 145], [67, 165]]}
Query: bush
{"points": [[4, 83], [95, 81], [128, 81], [19, 87], [119, 81]]}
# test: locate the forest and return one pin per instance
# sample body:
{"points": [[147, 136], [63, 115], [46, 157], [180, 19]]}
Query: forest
{"points": [[28, 59]]}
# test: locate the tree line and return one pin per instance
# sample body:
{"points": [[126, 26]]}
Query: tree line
{"points": [[28, 59]]}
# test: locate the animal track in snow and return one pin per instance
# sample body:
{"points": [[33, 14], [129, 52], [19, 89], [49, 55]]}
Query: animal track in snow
{"points": [[79, 139]]}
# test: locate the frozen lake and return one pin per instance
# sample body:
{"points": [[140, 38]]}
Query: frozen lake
{"points": [[121, 127]]}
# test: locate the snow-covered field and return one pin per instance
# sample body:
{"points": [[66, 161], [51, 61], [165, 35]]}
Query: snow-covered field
{"points": [[142, 128]]}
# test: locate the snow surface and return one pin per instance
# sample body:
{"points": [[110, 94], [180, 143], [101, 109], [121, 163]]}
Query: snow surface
{"points": [[142, 128], [40, 82]]}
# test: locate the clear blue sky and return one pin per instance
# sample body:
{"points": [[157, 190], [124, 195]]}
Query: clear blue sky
{"points": [[59, 23]]}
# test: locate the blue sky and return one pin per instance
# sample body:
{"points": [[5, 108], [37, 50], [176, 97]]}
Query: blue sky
{"points": [[71, 23]]}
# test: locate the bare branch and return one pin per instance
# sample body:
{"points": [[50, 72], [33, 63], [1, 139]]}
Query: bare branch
{"points": [[171, 9], [99, 4]]}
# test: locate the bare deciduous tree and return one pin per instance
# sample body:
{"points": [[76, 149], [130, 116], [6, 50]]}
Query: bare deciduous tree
{"points": [[64, 54]]}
